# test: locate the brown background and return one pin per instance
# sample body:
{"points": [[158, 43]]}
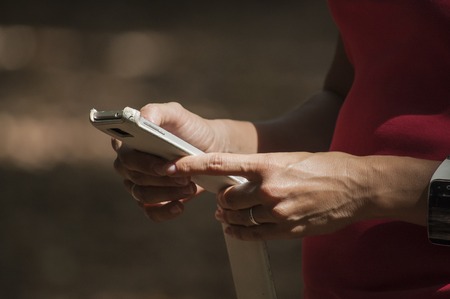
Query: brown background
{"points": [[68, 229]]}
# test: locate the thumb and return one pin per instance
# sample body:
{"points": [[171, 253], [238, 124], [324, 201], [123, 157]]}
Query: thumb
{"points": [[167, 115]]}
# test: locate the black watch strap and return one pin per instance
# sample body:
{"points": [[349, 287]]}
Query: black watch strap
{"points": [[439, 205]]}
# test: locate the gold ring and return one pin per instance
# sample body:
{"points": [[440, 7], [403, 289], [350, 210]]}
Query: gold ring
{"points": [[132, 192], [252, 219]]}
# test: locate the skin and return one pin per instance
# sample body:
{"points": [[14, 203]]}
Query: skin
{"points": [[299, 194], [292, 193]]}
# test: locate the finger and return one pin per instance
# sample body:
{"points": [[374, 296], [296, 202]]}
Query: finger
{"points": [[163, 212], [129, 158], [143, 169], [243, 217], [242, 196], [116, 144], [252, 167], [139, 161], [153, 195], [149, 180]]}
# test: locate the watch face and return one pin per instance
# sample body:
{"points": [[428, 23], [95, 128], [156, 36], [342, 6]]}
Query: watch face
{"points": [[439, 212]]}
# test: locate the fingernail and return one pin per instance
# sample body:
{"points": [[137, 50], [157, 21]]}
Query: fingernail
{"points": [[171, 169], [114, 144], [133, 192]]}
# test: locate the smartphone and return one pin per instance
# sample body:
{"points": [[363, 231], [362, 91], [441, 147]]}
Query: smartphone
{"points": [[141, 134], [249, 261]]}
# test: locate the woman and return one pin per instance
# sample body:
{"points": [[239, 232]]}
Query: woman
{"points": [[347, 171]]}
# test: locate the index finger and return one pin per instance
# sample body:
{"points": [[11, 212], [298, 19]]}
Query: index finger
{"points": [[249, 166], [145, 163]]}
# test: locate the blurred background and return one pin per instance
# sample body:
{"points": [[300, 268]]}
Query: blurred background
{"points": [[68, 229]]}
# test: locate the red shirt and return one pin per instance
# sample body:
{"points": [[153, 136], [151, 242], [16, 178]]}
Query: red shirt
{"points": [[399, 104]]}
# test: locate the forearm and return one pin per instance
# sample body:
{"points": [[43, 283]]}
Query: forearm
{"points": [[309, 127], [234, 136]]}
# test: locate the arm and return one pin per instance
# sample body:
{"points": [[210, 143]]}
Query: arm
{"points": [[163, 197], [298, 194], [310, 126]]}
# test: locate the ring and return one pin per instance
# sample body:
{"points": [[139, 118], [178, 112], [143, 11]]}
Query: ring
{"points": [[132, 192], [252, 219]]}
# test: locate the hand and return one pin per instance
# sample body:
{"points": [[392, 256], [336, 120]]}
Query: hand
{"points": [[289, 194], [294, 195], [160, 196]]}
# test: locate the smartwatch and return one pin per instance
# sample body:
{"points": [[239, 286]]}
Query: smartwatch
{"points": [[439, 205]]}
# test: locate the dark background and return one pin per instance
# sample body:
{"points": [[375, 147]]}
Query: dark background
{"points": [[67, 227]]}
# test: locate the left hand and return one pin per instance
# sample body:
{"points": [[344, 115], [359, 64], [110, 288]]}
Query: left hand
{"points": [[289, 194]]}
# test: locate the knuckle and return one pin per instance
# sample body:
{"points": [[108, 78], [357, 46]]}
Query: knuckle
{"points": [[268, 191], [215, 162], [271, 193], [265, 190], [279, 212], [183, 166], [265, 162]]}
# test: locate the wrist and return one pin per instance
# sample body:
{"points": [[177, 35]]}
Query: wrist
{"points": [[398, 187], [232, 136]]}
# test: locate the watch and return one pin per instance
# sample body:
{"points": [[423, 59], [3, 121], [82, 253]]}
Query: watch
{"points": [[439, 205]]}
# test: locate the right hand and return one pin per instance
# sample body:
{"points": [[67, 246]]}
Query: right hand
{"points": [[162, 197]]}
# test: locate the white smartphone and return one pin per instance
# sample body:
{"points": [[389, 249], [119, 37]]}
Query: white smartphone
{"points": [[141, 134], [249, 261]]}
